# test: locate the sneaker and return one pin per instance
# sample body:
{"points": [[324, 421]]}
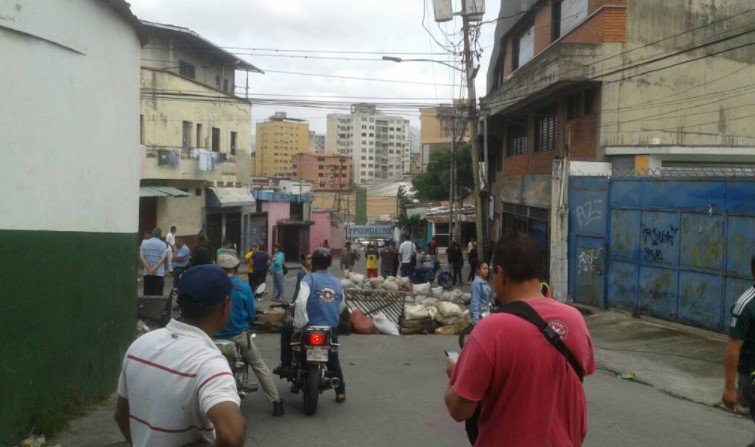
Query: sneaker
{"points": [[340, 398], [278, 408]]}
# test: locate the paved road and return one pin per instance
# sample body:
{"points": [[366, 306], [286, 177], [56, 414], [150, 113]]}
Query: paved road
{"points": [[395, 387]]}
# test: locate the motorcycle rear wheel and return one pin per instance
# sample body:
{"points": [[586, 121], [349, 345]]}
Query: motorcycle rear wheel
{"points": [[311, 389]]}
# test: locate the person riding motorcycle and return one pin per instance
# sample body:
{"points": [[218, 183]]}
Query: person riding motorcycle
{"points": [[242, 311], [319, 303]]}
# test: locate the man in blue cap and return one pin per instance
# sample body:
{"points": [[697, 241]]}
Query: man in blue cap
{"points": [[176, 388]]}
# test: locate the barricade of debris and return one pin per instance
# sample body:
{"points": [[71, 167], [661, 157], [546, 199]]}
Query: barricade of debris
{"points": [[426, 310]]}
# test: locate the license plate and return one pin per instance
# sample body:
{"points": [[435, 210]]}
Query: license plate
{"points": [[317, 355]]}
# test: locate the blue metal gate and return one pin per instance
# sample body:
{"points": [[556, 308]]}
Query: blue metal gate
{"points": [[674, 249]]}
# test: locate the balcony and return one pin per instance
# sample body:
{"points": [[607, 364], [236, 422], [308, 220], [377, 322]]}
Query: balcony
{"points": [[176, 163], [558, 66]]}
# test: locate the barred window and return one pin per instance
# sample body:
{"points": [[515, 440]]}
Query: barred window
{"points": [[546, 121], [517, 138]]}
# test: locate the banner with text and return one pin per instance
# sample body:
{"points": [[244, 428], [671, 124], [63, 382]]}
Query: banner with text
{"points": [[369, 231]]}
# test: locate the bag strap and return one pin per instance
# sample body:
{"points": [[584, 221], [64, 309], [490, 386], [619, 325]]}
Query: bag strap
{"points": [[524, 311]]}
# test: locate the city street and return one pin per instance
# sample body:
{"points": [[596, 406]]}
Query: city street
{"points": [[395, 391]]}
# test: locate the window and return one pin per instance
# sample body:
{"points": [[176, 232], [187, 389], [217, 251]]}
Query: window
{"points": [[141, 129], [517, 137], [570, 14], [572, 106], [546, 121], [233, 143], [589, 101], [186, 134], [524, 47], [199, 135], [215, 139], [186, 69], [556, 20], [198, 192]]}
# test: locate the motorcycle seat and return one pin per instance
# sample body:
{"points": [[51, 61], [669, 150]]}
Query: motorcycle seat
{"points": [[226, 347]]}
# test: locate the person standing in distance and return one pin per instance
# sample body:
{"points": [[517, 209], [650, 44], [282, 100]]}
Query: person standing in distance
{"points": [[528, 393], [276, 268], [170, 239], [154, 254], [175, 387], [456, 260], [180, 262], [388, 259], [740, 352], [371, 257], [406, 251]]}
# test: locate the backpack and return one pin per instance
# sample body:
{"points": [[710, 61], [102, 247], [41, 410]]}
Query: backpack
{"points": [[524, 311]]}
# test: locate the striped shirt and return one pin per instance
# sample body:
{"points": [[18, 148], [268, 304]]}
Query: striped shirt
{"points": [[154, 250], [741, 305], [171, 378]]}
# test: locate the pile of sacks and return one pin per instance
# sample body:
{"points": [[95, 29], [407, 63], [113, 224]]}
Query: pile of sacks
{"points": [[438, 312], [428, 310]]}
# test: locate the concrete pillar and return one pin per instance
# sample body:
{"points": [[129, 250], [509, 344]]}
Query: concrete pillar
{"points": [[559, 237]]}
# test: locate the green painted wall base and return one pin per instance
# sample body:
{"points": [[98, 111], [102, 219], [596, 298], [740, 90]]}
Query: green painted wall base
{"points": [[67, 316]]}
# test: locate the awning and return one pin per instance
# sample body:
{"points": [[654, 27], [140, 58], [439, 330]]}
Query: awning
{"points": [[218, 197], [161, 191]]}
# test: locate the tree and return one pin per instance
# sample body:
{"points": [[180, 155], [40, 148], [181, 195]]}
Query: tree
{"points": [[435, 183]]}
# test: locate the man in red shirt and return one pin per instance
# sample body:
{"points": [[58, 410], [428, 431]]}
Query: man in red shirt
{"points": [[528, 392]]}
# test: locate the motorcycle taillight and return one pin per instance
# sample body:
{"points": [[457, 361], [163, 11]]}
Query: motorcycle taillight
{"points": [[316, 339]]}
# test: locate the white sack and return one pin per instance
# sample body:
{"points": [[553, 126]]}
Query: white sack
{"points": [[384, 325]]}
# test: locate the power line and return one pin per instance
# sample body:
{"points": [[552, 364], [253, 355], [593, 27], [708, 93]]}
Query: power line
{"points": [[289, 50], [355, 78]]}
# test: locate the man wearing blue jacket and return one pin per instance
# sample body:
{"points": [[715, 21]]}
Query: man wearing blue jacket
{"points": [[319, 303], [242, 311]]}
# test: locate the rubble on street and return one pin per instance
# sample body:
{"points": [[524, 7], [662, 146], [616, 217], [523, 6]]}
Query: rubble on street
{"points": [[426, 309]]}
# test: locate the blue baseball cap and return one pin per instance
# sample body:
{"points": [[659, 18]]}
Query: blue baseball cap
{"points": [[203, 286]]}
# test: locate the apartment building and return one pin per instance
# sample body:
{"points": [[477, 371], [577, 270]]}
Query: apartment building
{"points": [[648, 85], [326, 172], [378, 144], [316, 142], [437, 129], [196, 151], [278, 139]]}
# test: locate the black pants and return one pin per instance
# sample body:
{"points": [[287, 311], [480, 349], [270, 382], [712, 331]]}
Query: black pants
{"points": [[456, 266], [257, 278], [177, 272], [473, 263], [153, 285], [287, 354]]}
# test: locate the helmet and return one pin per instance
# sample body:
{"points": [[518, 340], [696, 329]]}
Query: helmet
{"points": [[321, 259], [227, 261]]}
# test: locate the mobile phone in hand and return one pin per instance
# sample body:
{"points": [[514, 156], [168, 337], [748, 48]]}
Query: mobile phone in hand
{"points": [[452, 354]]}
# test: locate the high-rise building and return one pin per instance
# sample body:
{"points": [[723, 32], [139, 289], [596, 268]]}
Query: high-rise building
{"points": [[378, 144], [278, 139], [437, 129], [316, 142]]}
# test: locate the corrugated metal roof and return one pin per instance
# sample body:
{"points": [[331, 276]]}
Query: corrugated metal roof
{"points": [[222, 197], [148, 191], [161, 191]]}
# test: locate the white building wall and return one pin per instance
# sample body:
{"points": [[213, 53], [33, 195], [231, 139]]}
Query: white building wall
{"points": [[69, 118]]}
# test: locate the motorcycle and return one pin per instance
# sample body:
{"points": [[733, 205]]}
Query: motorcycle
{"points": [[237, 362], [310, 373], [425, 274]]}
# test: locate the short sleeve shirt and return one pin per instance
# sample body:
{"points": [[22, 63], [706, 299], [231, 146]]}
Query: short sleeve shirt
{"points": [[171, 378], [741, 328], [154, 250], [259, 261], [529, 394]]}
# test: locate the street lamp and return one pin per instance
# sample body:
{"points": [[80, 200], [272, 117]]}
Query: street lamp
{"points": [[398, 59]]}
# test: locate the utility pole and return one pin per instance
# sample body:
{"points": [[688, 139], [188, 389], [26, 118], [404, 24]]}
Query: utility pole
{"points": [[472, 116]]}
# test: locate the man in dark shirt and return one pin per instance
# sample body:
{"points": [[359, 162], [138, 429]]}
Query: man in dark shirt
{"points": [[388, 259], [456, 260], [740, 352], [260, 264]]}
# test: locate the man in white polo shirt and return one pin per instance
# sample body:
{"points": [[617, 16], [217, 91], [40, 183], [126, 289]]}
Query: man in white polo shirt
{"points": [[176, 388]]}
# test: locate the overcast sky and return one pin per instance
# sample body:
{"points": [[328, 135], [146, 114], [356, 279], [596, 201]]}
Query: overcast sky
{"points": [[381, 26]]}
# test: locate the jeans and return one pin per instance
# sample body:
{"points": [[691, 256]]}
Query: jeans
{"points": [[386, 272], [407, 269], [278, 290], [153, 285], [472, 268], [252, 356]]}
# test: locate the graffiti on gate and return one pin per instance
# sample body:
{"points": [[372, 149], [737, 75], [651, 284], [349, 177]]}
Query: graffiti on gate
{"points": [[654, 239], [590, 261], [589, 212]]}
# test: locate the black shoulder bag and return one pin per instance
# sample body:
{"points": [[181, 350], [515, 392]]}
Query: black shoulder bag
{"points": [[524, 311]]}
